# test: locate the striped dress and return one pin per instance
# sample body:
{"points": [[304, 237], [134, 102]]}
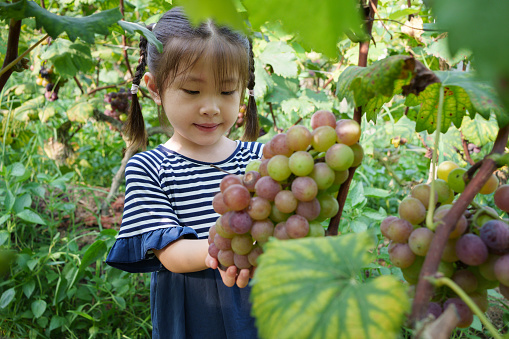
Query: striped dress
{"points": [[168, 197]]}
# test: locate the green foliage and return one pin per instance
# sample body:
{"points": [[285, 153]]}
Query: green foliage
{"points": [[313, 288], [69, 58]]}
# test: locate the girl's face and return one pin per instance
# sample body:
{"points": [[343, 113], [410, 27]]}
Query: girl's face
{"points": [[199, 111]]}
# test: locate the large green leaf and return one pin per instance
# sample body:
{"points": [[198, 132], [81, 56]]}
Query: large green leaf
{"points": [[132, 27], [28, 107], [282, 89], [462, 93], [94, 252], [281, 57], [479, 131], [222, 11], [319, 26], [310, 288], [69, 58], [80, 112], [84, 28]]}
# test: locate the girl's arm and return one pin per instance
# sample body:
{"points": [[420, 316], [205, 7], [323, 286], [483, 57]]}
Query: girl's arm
{"points": [[191, 255]]}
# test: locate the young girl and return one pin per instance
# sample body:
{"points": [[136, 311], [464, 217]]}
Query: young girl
{"points": [[199, 81]]}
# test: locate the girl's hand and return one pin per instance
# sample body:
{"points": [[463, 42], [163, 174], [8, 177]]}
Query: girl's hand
{"points": [[231, 276]]}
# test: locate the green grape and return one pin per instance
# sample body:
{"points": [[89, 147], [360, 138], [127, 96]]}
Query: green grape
{"points": [[278, 167], [301, 163], [455, 180], [444, 168]]}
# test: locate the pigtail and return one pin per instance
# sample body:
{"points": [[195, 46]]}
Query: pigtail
{"points": [[134, 128], [252, 129]]}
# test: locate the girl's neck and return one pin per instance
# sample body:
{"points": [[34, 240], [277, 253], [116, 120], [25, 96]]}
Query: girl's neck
{"points": [[220, 151]]}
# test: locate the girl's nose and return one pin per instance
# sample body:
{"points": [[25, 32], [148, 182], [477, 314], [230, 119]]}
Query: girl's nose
{"points": [[210, 107]]}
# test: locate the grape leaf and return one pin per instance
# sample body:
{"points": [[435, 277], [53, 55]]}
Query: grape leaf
{"points": [[132, 27], [440, 49], [319, 29], [84, 28], [479, 131], [80, 112], [69, 58], [281, 57], [282, 89], [309, 288], [222, 11]]}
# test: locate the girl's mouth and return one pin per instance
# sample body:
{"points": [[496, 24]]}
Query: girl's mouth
{"points": [[206, 127]]}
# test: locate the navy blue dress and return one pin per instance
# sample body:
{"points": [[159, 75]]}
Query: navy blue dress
{"points": [[168, 197]]}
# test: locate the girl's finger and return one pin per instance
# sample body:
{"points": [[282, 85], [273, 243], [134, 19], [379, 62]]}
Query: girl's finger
{"points": [[243, 278], [230, 276]]}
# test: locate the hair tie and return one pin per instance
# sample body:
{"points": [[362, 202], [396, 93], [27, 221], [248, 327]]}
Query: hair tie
{"points": [[153, 27], [134, 88], [251, 92]]}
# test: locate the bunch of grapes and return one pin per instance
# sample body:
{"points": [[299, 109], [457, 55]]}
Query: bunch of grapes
{"points": [[476, 256], [46, 79], [240, 117], [117, 104], [288, 192]]}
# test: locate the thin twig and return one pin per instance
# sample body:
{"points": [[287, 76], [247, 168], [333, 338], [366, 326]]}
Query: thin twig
{"points": [[465, 150], [79, 85], [273, 117], [373, 7], [119, 46]]}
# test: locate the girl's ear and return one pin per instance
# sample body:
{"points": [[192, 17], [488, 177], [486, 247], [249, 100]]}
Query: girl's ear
{"points": [[152, 88]]}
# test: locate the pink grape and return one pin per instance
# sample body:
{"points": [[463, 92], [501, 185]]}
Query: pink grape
{"points": [[323, 138], [384, 225], [297, 226], [412, 210], [460, 227], [466, 280], [323, 175], [280, 231], [420, 240], [240, 222], [279, 145], [285, 201], [298, 138], [267, 188], [212, 233], [501, 197], [348, 131], [259, 208], [399, 230], [339, 157], [471, 250], [218, 204], [323, 118], [434, 309], [422, 192], [225, 258], [213, 250], [250, 179], [241, 261], [464, 312], [401, 255], [236, 197], [263, 168], [301, 163], [495, 234], [262, 230], [501, 269], [242, 243], [254, 254], [267, 150], [279, 167], [228, 180], [304, 188], [222, 227], [222, 243], [309, 209]]}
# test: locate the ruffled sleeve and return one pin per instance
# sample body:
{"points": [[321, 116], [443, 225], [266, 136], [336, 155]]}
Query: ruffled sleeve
{"points": [[134, 254]]}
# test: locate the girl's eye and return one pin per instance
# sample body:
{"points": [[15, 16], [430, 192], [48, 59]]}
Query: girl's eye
{"points": [[228, 92], [191, 92]]}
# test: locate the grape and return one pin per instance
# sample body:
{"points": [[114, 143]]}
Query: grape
{"points": [[279, 146], [280, 231], [218, 204], [444, 192], [329, 206], [501, 269], [348, 131], [323, 118], [412, 210], [339, 157], [419, 240], [222, 243], [449, 254], [460, 227], [423, 192], [323, 175], [309, 209], [411, 273], [471, 250], [236, 197], [455, 180], [228, 180], [446, 268], [487, 268], [434, 309], [242, 243], [301, 163], [241, 261], [463, 311], [240, 222], [466, 280], [445, 168], [278, 167], [225, 258], [316, 230], [324, 137], [340, 177], [263, 168], [480, 298], [483, 216], [220, 226], [259, 208], [358, 154], [298, 138], [262, 230], [277, 216], [254, 254], [297, 226], [504, 290], [495, 234], [401, 255], [253, 165], [267, 188], [490, 186], [304, 188], [212, 234], [213, 250], [285, 201], [399, 230], [384, 225], [267, 150], [501, 198], [249, 180]]}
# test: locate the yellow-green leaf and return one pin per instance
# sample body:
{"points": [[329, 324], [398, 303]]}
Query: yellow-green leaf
{"points": [[80, 112], [311, 288]]}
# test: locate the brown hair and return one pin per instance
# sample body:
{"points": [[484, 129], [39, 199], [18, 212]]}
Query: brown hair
{"points": [[184, 44]]}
